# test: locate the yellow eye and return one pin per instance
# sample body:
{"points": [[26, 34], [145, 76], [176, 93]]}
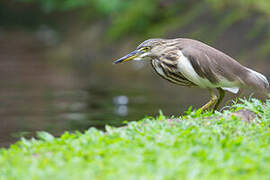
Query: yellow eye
{"points": [[145, 49]]}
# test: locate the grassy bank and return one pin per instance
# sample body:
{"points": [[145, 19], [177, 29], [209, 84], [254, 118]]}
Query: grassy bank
{"points": [[195, 146]]}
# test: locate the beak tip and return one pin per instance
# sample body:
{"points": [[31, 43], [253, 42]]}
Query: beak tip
{"points": [[115, 62], [128, 57]]}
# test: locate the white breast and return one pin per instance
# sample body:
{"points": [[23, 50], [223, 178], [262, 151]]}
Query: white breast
{"points": [[188, 71]]}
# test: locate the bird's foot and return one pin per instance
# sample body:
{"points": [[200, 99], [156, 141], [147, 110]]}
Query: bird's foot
{"points": [[212, 101]]}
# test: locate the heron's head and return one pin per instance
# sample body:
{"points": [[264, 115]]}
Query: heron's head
{"points": [[147, 50]]}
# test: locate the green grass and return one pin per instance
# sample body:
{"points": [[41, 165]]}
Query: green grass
{"points": [[196, 146]]}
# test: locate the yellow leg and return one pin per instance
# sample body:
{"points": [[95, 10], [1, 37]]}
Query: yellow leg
{"points": [[221, 96], [211, 102]]}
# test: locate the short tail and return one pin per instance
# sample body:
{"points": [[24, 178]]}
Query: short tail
{"points": [[257, 80]]}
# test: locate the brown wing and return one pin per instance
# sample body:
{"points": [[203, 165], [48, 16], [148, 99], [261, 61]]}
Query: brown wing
{"points": [[212, 64]]}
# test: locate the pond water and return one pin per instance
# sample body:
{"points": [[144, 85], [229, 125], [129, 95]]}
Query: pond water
{"points": [[39, 93], [42, 94]]}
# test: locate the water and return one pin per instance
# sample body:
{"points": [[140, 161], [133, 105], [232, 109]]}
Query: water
{"points": [[39, 92]]}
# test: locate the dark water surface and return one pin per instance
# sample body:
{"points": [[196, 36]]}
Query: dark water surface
{"points": [[42, 92]]}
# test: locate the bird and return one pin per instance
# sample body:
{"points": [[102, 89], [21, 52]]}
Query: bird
{"points": [[192, 63]]}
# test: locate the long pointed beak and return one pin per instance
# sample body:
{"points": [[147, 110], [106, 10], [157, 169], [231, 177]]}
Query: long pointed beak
{"points": [[128, 57]]}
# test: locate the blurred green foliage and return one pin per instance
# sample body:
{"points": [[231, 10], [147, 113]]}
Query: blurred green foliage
{"points": [[137, 16], [149, 18], [262, 6], [125, 17]]}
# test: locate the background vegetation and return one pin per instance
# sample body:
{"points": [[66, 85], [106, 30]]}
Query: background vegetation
{"points": [[145, 16]]}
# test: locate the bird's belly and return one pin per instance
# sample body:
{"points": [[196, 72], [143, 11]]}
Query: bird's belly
{"points": [[185, 67]]}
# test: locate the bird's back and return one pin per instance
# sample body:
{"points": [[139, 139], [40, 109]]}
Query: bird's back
{"points": [[216, 66]]}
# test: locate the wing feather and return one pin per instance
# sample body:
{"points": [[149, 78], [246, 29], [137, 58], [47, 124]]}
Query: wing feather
{"points": [[215, 66]]}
